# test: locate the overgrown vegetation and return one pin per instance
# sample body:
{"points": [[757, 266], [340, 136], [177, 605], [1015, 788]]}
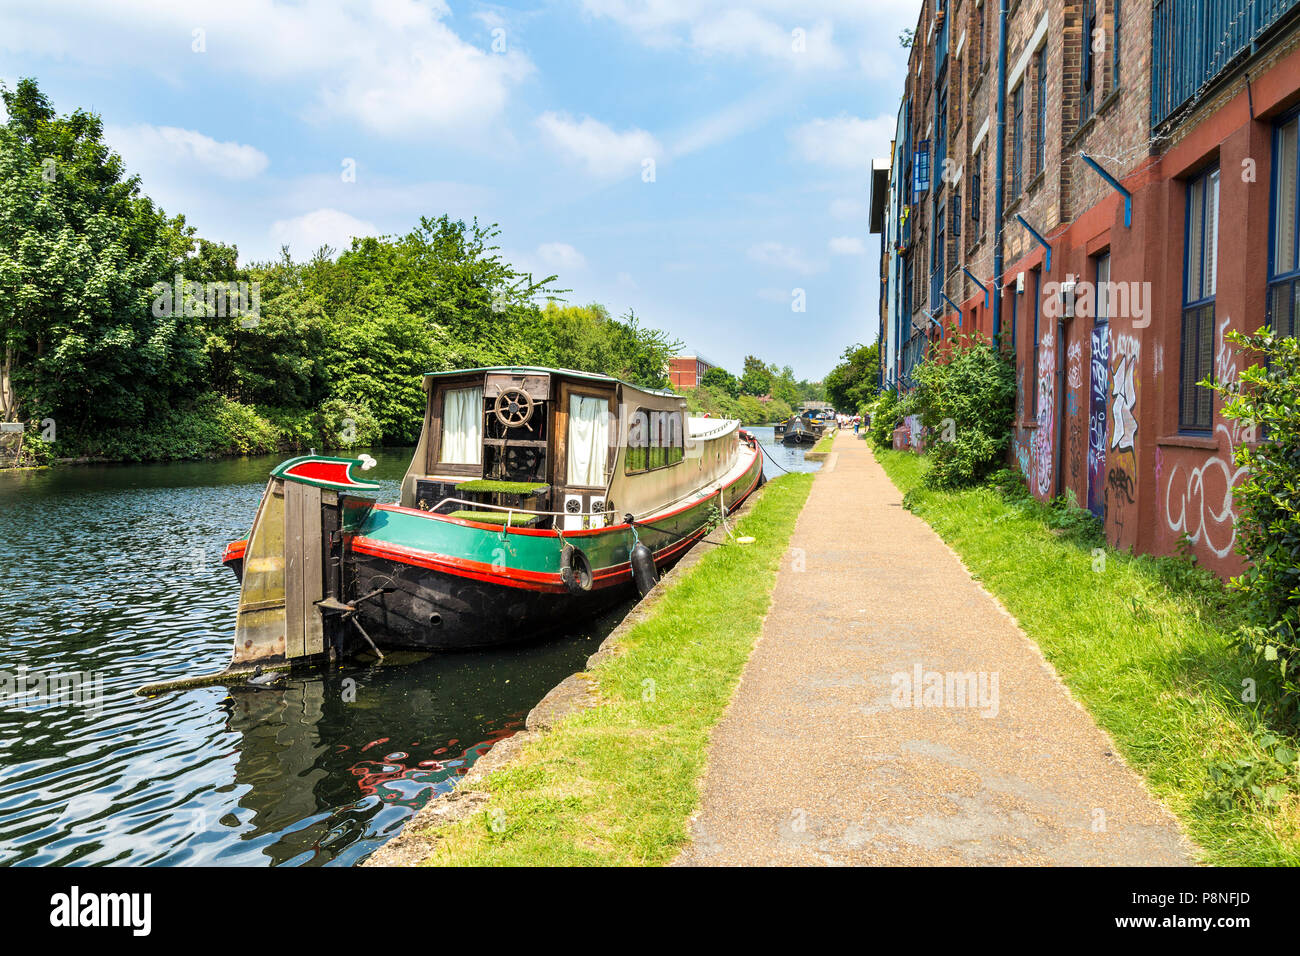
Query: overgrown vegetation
{"points": [[1146, 644], [853, 383], [965, 397], [616, 784], [884, 414], [1265, 400], [142, 340]]}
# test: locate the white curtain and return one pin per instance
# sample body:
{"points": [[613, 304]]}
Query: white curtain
{"points": [[588, 440], [462, 426]]}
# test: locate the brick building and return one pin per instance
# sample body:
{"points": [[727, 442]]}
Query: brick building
{"points": [[1145, 203], [687, 371]]}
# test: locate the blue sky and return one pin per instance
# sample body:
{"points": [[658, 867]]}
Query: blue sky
{"points": [[761, 119]]}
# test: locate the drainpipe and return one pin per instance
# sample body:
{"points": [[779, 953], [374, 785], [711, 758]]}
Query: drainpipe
{"points": [[1001, 162]]}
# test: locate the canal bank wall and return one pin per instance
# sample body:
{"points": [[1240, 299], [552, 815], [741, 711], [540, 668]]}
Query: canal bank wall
{"points": [[575, 693]]}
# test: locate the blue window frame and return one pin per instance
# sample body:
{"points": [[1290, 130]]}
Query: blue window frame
{"points": [[1087, 60], [1284, 229], [1200, 266], [1040, 112], [921, 169], [1033, 405], [1114, 44], [1017, 137], [941, 134]]}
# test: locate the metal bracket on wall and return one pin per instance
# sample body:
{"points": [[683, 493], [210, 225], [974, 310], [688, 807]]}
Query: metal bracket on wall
{"points": [[1115, 185], [983, 287], [1039, 239]]}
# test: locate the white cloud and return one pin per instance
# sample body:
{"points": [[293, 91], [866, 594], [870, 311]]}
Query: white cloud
{"points": [[741, 32], [848, 209], [323, 227], [847, 246], [148, 147], [844, 142], [604, 152], [394, 66], [783, 257], [560, 255]]}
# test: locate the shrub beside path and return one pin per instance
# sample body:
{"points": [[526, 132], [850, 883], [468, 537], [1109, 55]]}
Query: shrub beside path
{"points": [[815, 762]]}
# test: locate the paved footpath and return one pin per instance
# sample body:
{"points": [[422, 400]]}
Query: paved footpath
{"points": [[814, 762]]}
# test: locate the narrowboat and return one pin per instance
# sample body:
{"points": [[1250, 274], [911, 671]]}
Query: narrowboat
{"points": [[536, 498], [799, 432]]}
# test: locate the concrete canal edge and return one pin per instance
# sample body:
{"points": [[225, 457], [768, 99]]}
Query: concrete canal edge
{"points": [[575, 693]]}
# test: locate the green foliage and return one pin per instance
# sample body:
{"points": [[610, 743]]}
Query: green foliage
{"points": [[885, 413], [757, 377], [852, 383], [80, 251], [210, 427], [1265, 398], [966, 399], [720, 380], [1265, 776]]}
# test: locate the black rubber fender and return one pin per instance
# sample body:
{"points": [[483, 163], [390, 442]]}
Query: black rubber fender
{"points": [[644, 572], [575, 569]]}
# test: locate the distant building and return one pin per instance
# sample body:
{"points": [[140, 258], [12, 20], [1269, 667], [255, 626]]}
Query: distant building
{"points": [[687, 371]]}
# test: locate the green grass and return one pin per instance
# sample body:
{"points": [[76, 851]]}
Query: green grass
{"points": [[615, 784], [503, 487], [1144, 645], [824, 443]]}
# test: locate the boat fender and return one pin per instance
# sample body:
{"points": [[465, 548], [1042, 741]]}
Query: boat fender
{"points": [[644, 572], [575, 569]]}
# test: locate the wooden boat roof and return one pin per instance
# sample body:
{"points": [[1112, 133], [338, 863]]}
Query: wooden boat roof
{"points": [[568, 372]]}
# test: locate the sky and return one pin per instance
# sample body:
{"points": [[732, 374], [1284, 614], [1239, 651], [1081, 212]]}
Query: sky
{"points": [[697, 162]]}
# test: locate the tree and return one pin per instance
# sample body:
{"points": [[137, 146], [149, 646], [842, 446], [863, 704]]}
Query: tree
{"points": [[722, 380], [80, 253], [757, 377], [852, 383]]}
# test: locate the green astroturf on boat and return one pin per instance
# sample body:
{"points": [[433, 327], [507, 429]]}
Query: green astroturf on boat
{"points": [[495, 517], [503, 487]]}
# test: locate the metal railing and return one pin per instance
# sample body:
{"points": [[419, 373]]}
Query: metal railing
{"points": [[1194, 41]]}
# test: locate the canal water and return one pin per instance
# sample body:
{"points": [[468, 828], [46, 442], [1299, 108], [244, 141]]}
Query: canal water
{"points": [[112, 575]]}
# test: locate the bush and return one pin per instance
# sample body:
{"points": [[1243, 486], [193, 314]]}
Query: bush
{"points": [[885, 412], [966, 398], [1266, 400]]}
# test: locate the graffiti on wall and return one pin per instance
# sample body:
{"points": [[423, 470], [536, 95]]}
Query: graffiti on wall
{"points": [[1099, 393], [1043, 434], [1198, 499], [1121, 457]]}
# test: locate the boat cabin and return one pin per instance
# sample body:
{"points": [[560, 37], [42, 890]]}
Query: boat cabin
{"points": [[550, 448]]}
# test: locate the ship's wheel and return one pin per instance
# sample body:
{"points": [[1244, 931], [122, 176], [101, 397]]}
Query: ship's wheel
{"points": [[514, 407]]}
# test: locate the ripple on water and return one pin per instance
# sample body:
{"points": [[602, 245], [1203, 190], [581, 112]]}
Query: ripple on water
{"points": [[116, 571]]}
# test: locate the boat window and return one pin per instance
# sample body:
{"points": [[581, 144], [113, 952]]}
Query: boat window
{"points": [[588, 445], [462, 426], [655, 439]]}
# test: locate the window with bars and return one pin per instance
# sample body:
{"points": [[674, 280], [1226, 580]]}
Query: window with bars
{"points": [[1200, 262], [1087, 59], [1040, 124], [1284, 243], [921, 169], [977, 192], [1017, 138], [983, 32]]}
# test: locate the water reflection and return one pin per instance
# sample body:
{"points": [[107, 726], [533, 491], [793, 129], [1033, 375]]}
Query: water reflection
{"points": [[115, 570]]}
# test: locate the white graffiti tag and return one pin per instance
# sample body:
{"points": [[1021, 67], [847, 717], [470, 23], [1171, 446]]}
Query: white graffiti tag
{"points": [[1123, 392], [1204, 514]]}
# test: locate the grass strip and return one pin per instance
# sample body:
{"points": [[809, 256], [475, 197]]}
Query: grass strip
{"points": [[1144, 644], [503, 487], [615, 784]]}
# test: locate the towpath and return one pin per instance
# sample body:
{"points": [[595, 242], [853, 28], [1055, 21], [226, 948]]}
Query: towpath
{"points": [[815, 762]]}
